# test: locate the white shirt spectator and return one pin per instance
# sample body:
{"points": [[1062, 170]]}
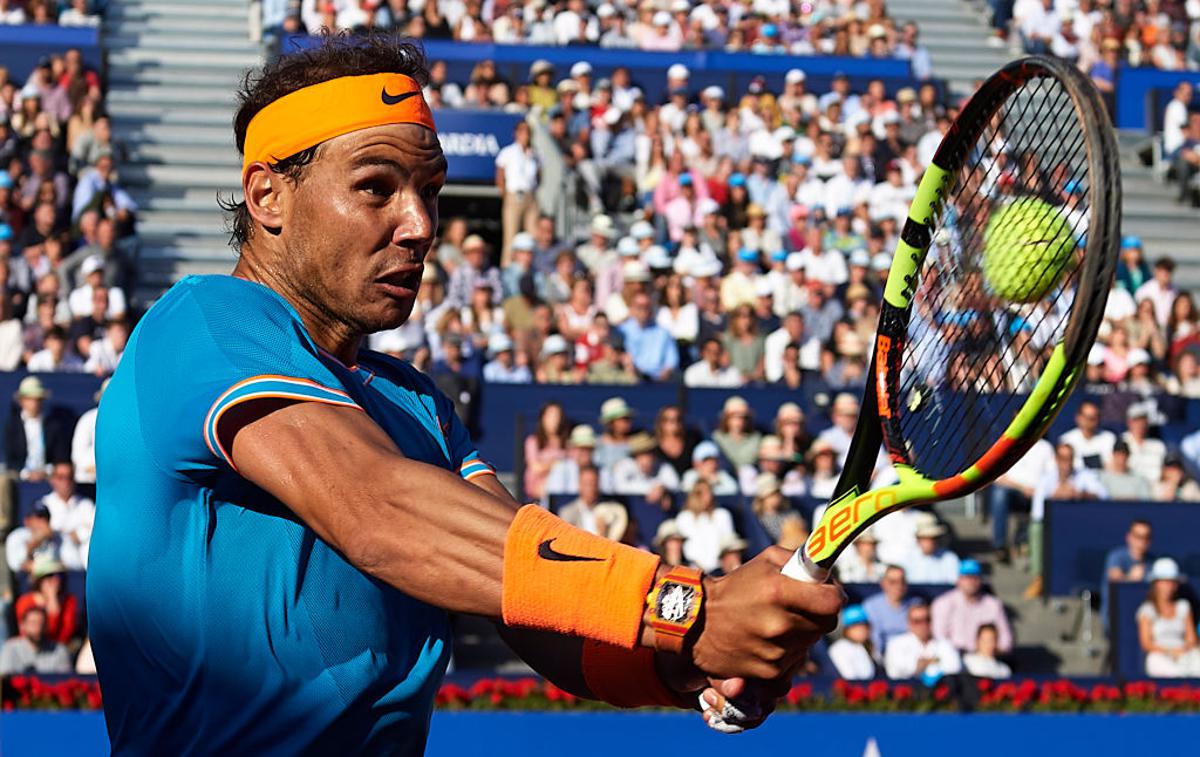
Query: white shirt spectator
{"points": [[852, 661], [724, 486], [1033, 465], [684, 324], [1097, 449], [80, 302], [1120, 305], [83, 448], [896, 534], [13, 15], [73, 520], [16, 548], [843, 192], [1083, 480], [104, 358], [939, 568], [703, 534], [1175, 117], [701, 374], [985, 667], [1145, 457], [1161, 296], [520, 168], [628, 479], [35, 444], [42, 361], [904, 651], [773, 349]]}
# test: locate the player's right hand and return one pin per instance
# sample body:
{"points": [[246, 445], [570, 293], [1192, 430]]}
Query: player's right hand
{"points": [[758, 623]]}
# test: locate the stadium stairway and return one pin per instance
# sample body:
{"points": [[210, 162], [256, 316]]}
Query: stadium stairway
{"points": [[956, 33], [173, 70]]}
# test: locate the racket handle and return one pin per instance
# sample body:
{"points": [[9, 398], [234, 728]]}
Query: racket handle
{"points": [[801, 568]]}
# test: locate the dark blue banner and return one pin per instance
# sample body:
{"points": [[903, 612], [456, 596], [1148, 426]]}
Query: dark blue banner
{"points": [[471, 139], [21, 47]]}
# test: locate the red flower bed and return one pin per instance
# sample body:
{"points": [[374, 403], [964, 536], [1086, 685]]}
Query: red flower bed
{"points": [[32, 693]]}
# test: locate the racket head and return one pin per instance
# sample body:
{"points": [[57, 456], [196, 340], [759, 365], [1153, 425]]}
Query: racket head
{"points": [[967, 376]]}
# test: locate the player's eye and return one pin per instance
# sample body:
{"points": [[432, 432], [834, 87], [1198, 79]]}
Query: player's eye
{"points": [[376, 188]]}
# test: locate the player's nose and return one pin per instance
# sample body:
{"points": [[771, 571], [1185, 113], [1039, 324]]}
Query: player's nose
{"points": [[413, 224]]}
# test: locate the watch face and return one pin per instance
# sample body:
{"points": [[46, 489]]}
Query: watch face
{"points": [[675, 602]]}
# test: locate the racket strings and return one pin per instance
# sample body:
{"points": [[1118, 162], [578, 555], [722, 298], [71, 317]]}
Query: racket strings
{"points": [[969, 348]]}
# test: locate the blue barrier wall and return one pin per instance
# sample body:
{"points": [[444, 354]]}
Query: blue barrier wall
{"points": [[1128, 659], [470, 140], [733, 71], [1075, 554], [1142, 93], [21, 47], [455, 734]]}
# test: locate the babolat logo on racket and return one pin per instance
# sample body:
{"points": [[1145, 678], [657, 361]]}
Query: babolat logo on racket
{"points": [[845, 516]]}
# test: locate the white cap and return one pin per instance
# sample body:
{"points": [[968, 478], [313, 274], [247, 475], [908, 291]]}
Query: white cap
{"points": [[499, 342], [795, 261], [627, 247], [635, 270], [705, 450], [795, 75], [1165, 569], [582, 68], [554, 345], [706, 268], [602, 225], [681, 6], [662, 18], [1095, 355], [1138, 356], [763, 288], [881, 261], [606, 10], [784, 133], [91, 264], [641, 230], [708, 206], [657, 257], [678, 70], [860, 257], [712, 92], [522, 240]]}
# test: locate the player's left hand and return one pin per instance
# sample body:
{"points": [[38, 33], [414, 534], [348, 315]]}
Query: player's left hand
{"points": [[734, 705]]}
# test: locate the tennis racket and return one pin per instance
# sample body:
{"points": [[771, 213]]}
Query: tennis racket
{"points": [[990, 308]]}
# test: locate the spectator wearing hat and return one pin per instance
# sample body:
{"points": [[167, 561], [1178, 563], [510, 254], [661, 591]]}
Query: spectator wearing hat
{"points": [[861, 564], [844, 414], [614, 365], [33, 539], [654, 353], [581, 449], [1160, 290], [517, 173], [779, 456], [773, 510], [1166, 628], [1013, 491], [1132, 269], [824, 472], [35, 437], [888, 610], [475, 269], [918, 653], [503, 367], [982, 662], [668, 544], [854, 658], [737, 287], [735, 435], [929, 563], [607, 519], [597, 253], [703, 525], [706, 466], [32, 650], [546, 446], [644, 474], [1120, 480], [959, 613], [49, 593], [556, 365], [71, 516], [683, 210], [732, 553], [616, 418], [1174, 484], [82, 300]]}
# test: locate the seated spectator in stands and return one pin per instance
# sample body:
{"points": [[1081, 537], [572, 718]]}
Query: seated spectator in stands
{"points": [[928, 563], [844, 415], [712, 370], [744, 344], [706, 467], [735, 435], [556, 365], [82, 299], [11, 13], [654, 353], [97, 189], [78, 15], [668, 544], [607, 519], [1146, 455], [615, 364], [733, 552], [83, 442], [1160, 290], [860, 564], [1119, 479], [1132, 268], [71, 516], [33, 540], [616, 417], [474, 269], [35, 437], [675, 440], [982, 662], [1174, 484], [917, 653], [1128, 563], [853, 656], [1067, 480], [703, 525], [1166, 628], [1013, 490], [1175, 119], [33, 651], [888, 610], [644, 474], [12, 337], [959, 613], [54, 357], [543, 448], [581, 448], [1186, 163], [105, 354], [503, 368], [49, 592], [455, 372], [1091, 444], [822, 457], [774, 459], [772, 509]]}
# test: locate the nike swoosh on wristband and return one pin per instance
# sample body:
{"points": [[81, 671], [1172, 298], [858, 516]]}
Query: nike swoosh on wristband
{"points": [[395, 99], [547, 552]]}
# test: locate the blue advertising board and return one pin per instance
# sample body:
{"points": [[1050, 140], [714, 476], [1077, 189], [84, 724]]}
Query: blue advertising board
{"points": [[22, 46], [470, 140]]}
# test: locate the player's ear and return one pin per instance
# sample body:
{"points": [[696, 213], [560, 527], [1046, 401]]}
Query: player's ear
{"points": [[260, 187]]}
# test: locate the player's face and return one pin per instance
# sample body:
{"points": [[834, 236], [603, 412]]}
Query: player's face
{"points": [[360, 224]]}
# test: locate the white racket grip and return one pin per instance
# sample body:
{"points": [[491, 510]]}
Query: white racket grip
{"points": [[801, 568]]}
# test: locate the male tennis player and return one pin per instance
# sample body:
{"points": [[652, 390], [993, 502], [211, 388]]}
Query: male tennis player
{"points": [[285, 519]]}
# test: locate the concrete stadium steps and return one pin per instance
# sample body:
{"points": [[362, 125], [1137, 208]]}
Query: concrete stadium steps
{"points": [[956, 33]]}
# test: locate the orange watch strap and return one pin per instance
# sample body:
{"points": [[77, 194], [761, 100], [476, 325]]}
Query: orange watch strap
{"points": [[675, 604]]}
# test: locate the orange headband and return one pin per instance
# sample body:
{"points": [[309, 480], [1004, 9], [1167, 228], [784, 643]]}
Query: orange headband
{"points": [[311, 115]]}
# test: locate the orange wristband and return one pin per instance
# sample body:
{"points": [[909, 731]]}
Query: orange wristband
{"points": [[627, 677], [563, 579]]}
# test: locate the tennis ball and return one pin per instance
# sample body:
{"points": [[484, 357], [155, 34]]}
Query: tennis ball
{"points": [[1026, 245]]}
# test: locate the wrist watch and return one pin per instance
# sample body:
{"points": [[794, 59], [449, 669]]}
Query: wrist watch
{"points": [[674, 604]]}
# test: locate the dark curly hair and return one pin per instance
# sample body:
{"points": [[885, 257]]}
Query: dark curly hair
{"points": [[337, 55]]}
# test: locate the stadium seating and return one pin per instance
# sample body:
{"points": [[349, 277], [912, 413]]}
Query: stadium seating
{"points": [[1127, 659]]}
